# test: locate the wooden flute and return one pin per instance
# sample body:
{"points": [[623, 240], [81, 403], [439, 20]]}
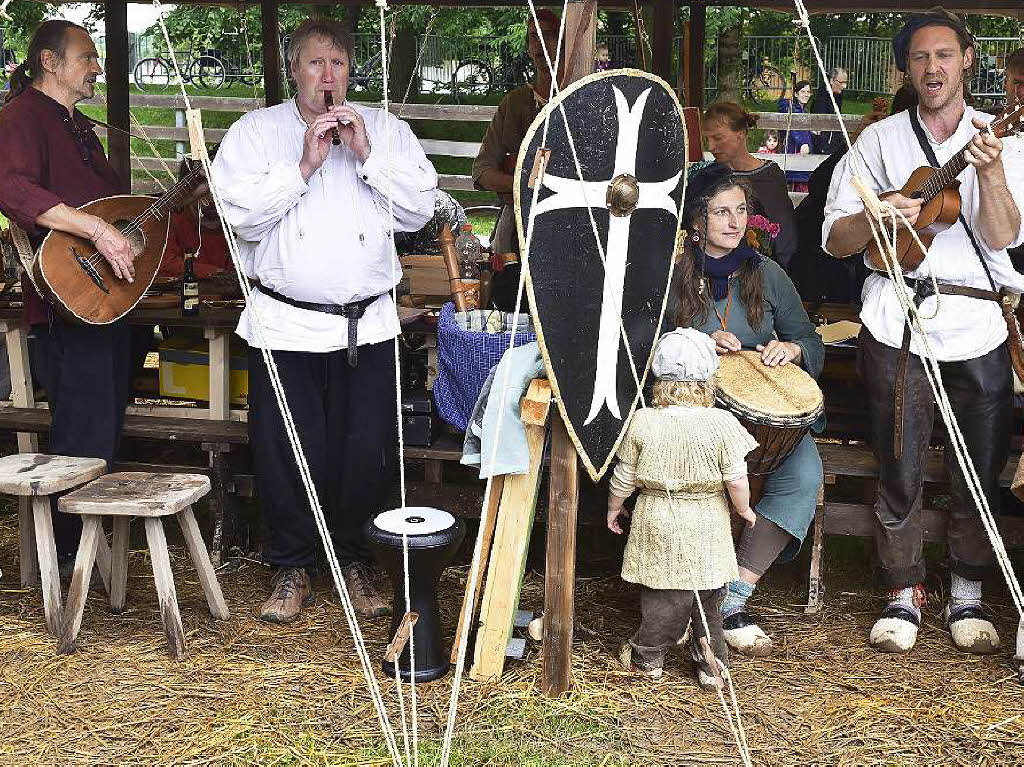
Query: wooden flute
{"points": [[329, 102]]}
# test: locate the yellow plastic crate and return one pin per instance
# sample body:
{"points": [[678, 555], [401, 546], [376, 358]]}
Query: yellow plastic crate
{"points": [[185, 370]]}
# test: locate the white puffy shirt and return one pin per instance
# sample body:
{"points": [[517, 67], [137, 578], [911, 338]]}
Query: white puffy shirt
{"points": [[965, 328], [325, 241]]}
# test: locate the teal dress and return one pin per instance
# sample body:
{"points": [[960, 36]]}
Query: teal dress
{"points": [[791, 491]]}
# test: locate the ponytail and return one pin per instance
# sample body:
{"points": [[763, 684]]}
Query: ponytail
{"points": [[51, 35]]}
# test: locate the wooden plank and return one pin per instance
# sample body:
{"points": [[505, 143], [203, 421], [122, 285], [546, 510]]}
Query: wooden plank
{"points": [[806, 121], [44, 475], [508, 560], [143, 427], [859, 520], [119, 564], [46, 551], [664, 28], [92, 529], [166, 594], [175, 101], [220, 373], [560, 562], [22, 393], [169, 133], [537, 402], [859, 461], [450, 148], [136, 494], [814, 589], [580, 40], [27, 562], [486, 533], [695, 53], [201, 559]]}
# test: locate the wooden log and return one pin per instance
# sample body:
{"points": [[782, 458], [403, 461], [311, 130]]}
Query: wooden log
{"points": [[695, 53], [560, 562], [207, 575], [166, 594], [508, 560], [664, 27], [488, 524]]}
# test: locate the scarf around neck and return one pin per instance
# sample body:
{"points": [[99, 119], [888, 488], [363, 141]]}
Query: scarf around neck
{"points": [[719, 269]]}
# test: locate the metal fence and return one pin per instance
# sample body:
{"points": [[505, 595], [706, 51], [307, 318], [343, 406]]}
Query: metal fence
{"points": [[868, 61]]}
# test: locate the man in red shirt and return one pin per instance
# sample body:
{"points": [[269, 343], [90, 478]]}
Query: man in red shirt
{"points": [[52, 163]]}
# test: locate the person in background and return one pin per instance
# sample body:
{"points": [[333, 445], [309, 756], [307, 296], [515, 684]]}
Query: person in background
{"points": [[797, 141], [726, 126], [770, 143], [682, 544], [827, 142], [601, 58], [1015, 97], [495, 162], [817, 275]]}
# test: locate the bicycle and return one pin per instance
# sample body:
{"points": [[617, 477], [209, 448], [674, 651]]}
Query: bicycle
{"points": [[475, 77], [762, 77], [155, 72]]}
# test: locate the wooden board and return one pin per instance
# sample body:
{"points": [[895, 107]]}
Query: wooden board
{"points": [[508, 561], [136, 494], [627, 126]]}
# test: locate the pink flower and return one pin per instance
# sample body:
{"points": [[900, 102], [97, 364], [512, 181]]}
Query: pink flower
{"points": [[759, 222], [774, 229]]}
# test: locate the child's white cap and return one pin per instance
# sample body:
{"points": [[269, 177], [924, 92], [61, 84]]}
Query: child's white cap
{"points": [[685, 354]]}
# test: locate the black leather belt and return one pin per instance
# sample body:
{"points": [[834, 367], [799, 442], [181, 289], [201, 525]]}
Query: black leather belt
{"points": [[923, 288], [351, 311]]}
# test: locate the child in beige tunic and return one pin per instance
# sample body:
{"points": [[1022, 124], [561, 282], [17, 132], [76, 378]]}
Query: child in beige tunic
{"points": [[685, 457]]}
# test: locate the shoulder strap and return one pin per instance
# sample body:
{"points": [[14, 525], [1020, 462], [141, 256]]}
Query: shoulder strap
{"points": [[929, 153]]}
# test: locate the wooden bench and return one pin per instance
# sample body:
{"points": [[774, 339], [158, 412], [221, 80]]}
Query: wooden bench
{"points": [[858, 519], [215, 437]]}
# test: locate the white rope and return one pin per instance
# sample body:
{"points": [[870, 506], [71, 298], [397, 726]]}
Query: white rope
{"points": [[292, 432], [877, 211], [485, 509], [3, 10], [382, 7]]}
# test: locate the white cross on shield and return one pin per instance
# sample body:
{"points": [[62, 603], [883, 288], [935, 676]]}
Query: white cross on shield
{"points": [[573, 193]]}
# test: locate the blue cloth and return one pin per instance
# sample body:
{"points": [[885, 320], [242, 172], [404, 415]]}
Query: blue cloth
{"points": [[464, 358], [791, 493], [796, 138], [523, 364]]}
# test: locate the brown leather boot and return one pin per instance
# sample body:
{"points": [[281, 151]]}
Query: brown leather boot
{"points": [[365, 600], [292, 591]]}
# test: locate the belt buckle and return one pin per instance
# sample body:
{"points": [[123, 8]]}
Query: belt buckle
{"points": [[923, 288]]}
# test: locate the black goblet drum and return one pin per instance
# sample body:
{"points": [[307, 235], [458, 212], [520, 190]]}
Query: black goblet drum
{"points": [[434, 536]]}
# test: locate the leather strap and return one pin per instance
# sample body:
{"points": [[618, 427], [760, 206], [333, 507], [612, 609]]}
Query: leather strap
{"points": [[901, 613], [738, 620], [351, 311], [975, 612], [923, 288]]}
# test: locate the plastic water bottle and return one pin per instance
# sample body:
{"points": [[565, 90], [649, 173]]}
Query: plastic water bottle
{"points": [[467, 249]]}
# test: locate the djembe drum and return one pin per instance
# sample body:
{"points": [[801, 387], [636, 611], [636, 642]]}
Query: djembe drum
{"points": [[433, 537], [776, 405]]}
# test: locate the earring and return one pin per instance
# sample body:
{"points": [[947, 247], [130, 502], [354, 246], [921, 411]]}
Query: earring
{"points": [[696, 237]]}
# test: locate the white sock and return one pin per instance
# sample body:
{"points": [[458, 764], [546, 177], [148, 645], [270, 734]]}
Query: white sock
{"points": [[905, 598], [963, 592]]}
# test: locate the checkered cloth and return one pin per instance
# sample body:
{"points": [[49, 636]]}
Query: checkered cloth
{"points": [[465, 357]]}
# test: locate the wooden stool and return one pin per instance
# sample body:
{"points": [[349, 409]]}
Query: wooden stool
{"points": [[39, 476], [152, 496]]}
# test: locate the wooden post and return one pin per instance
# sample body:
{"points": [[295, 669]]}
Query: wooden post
{"points": [[560, 561], [116, 66], [580, 43], [271, 52], [664, 27], [22, 396], [220, 373], [695, 53]]}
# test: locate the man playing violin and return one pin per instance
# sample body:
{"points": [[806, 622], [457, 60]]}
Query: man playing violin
{"points": [[967, 333], [313, 226], [51, 163]]}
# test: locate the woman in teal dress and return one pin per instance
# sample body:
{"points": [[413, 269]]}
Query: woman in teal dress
{"points": [[744, 300]]}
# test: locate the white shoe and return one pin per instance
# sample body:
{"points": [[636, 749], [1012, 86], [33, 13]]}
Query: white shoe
{"points": [[744, 635], [971, 629], [626, 661], [895, 630]]}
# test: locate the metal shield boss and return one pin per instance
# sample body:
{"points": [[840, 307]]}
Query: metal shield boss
{"points": [[626, 129]]}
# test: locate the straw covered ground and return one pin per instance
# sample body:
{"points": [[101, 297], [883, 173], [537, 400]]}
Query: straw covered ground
{"points": [[253, 693]]}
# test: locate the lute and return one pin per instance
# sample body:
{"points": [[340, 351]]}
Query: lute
{"points": [[72, 275], [940, 190]]}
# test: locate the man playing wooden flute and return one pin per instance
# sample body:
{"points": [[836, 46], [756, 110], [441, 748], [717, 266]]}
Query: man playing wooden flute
{"points": [[313, 226]]}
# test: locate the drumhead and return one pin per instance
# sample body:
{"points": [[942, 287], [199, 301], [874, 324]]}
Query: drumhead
{"points": [[414, 520], [751, 389]]}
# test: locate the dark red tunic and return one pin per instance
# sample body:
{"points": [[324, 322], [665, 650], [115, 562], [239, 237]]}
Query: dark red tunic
{"points": [[48, 157]]}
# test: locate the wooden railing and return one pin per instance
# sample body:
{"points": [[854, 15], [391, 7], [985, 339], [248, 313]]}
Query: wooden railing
{"points": [[436, 147]]}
